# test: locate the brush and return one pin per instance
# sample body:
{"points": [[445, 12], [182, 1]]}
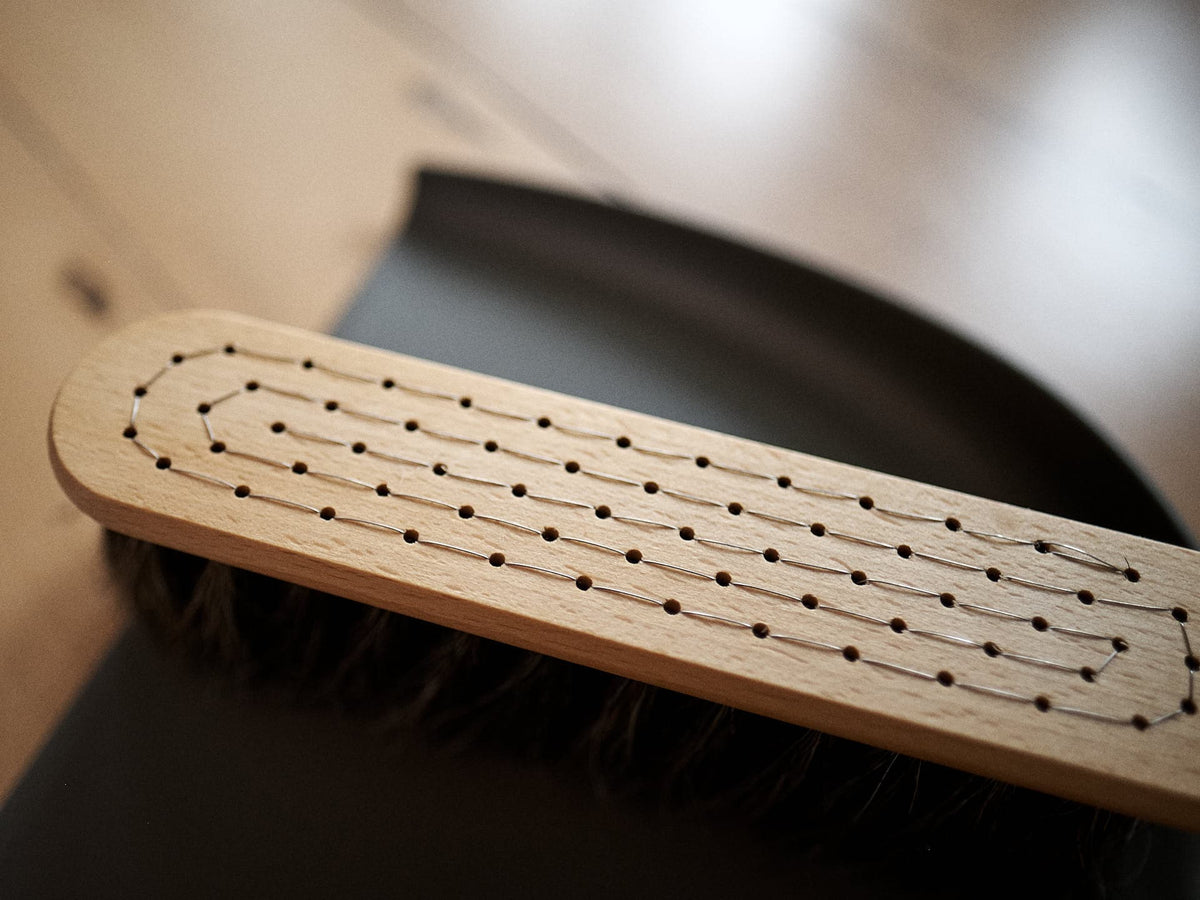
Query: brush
{"points": [[1014, 645]]}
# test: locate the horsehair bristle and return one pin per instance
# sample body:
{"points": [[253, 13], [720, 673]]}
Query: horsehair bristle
{"points": [[634, 741]]}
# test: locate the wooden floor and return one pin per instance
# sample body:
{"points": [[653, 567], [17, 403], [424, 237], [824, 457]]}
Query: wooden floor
{"points": [[1026, 173]]}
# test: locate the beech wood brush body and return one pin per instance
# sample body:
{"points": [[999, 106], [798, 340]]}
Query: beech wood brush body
{"points": [[1004, 642]]}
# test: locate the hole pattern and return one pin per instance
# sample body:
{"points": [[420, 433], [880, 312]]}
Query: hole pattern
{"points": [[670, 605]]}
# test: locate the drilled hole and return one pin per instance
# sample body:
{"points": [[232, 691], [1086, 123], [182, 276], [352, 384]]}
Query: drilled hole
{"points": [[1188, 705], [953, 524], [519, 490], [904, 551], [466, 511], [851, 654], [163, 462], [571, 466], [1141, 723], [687, 532], [809, 601], [817, 529], [623, 442], [177, 358], [760, 630], [278, 427], [230, 349], [204, 408], [411, 536], [944, 678], [412, 425], [389, 383], [299, 468], [327, 513], [331, 405], [771, 554], [496, 559], [724, 579], [241, 491], [129, 432], [650, 487], [439, 469], [1180, 614], [898, 625], [1088, 674], [992, 649], [1039, 623], [464, 402], [358, 447], [1042, 702], [217, 446], [947, 600], [993, 574], [1086, 597], [308, 364], [252, 385], [583, 582], [633, 556], [735, 508], [549, 534], [382, 489], [866, 502], [783, 481], [858, 577], [603, 512], [140, 391], [703, 462], [1120, 644], [491, 446], [1191, 662], [543, 422], [672, 607], [1132, 574]]}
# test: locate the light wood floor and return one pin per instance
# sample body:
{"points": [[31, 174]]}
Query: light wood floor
{"points": [[1024, 172]]}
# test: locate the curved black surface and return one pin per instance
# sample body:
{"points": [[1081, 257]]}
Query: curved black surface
{"points": [[161, 781]]}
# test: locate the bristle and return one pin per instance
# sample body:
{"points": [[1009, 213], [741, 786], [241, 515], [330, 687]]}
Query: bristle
{"points": [[804, 789]]}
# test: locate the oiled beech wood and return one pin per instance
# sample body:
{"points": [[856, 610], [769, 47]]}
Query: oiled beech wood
{"points": [[1002, 641]]}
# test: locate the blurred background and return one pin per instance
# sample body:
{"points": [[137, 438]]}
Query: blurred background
{"points": [[1026, 173]]}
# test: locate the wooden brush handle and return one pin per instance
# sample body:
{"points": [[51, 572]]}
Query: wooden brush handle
{"points": [[1005, 642]]}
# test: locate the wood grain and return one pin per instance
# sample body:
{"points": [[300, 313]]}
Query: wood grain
{"points": [[803, 589]]}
